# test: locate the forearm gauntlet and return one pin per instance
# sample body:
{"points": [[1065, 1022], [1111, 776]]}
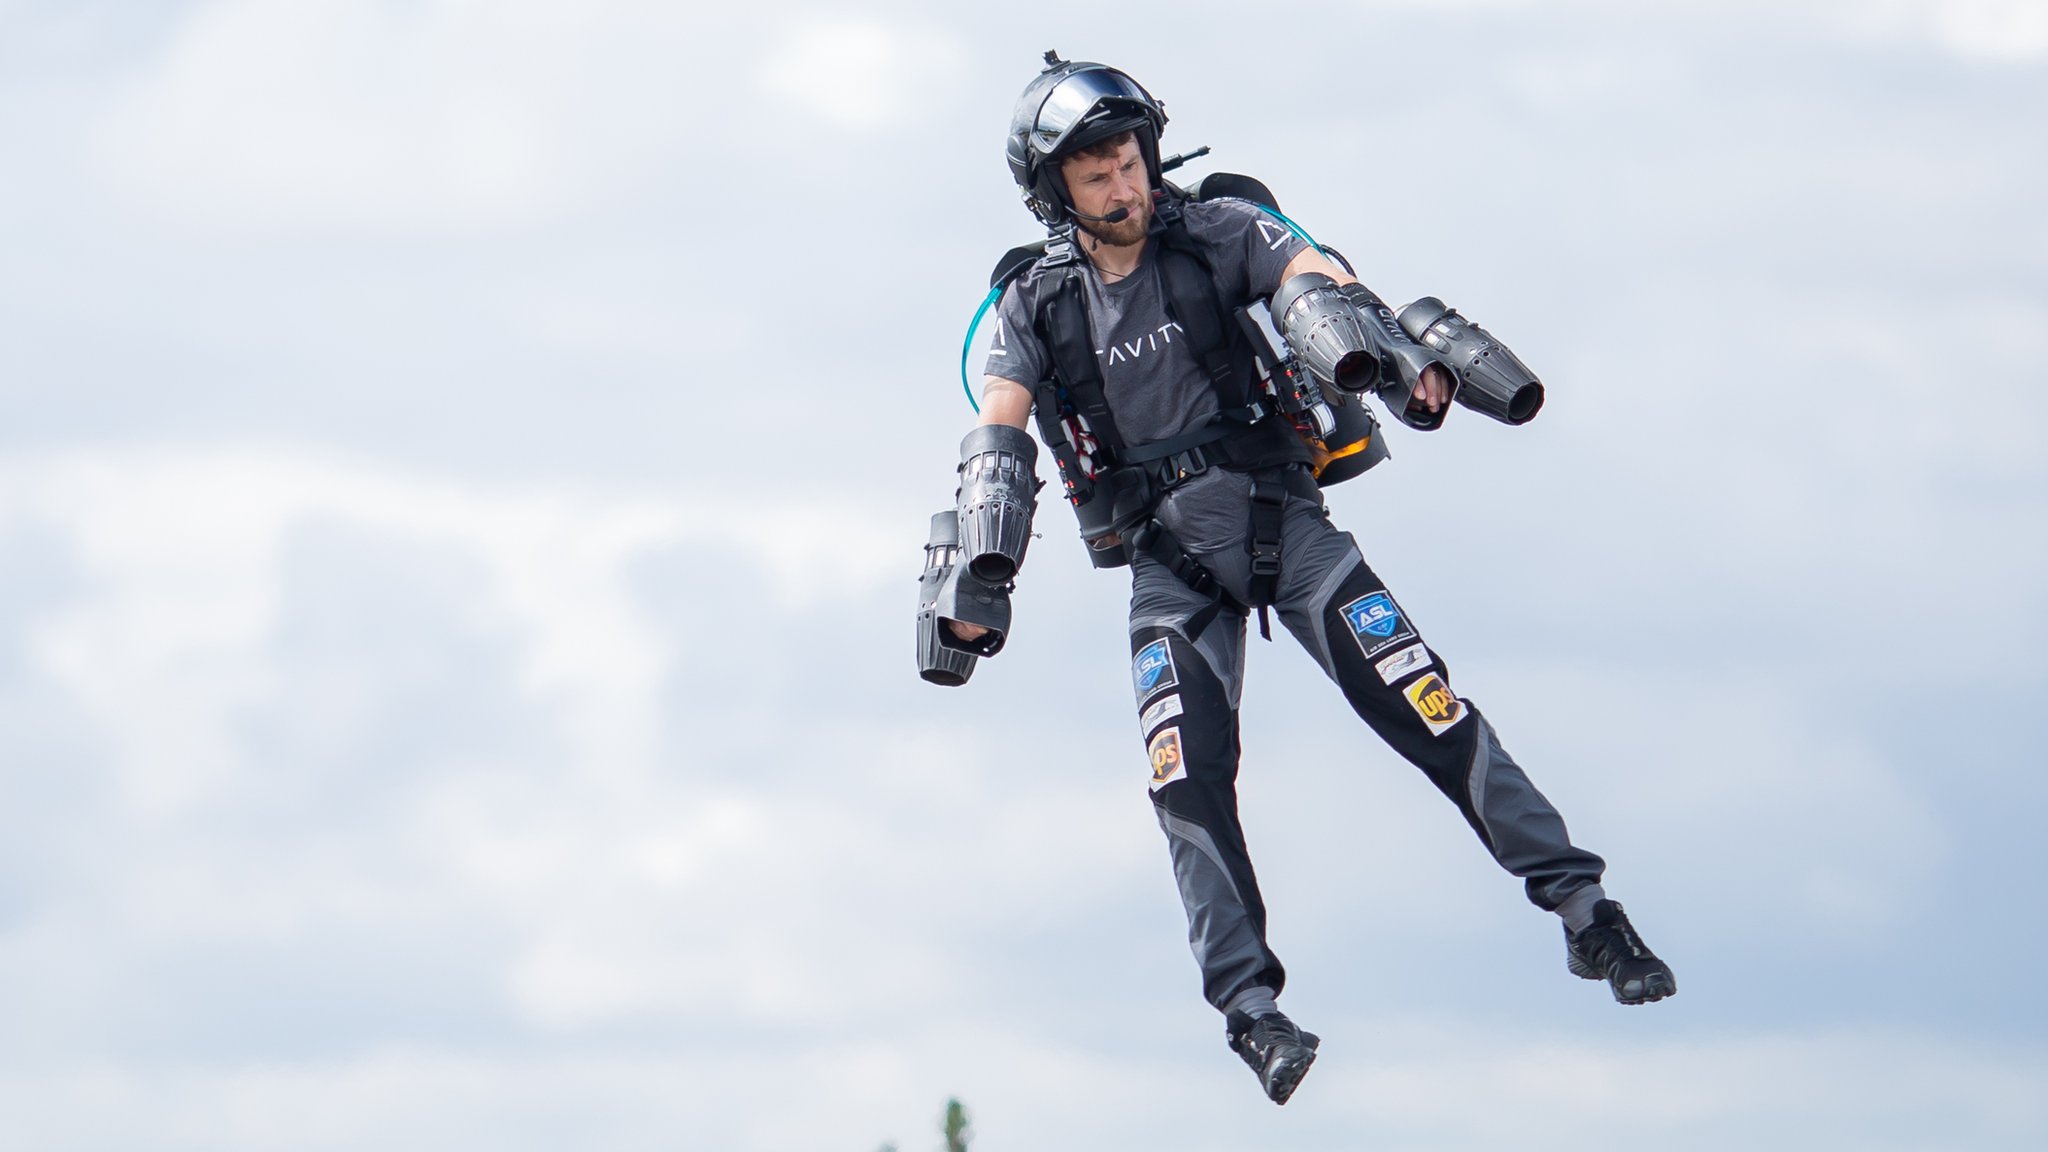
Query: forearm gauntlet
{"points": [[973, 552], [997, 496]]}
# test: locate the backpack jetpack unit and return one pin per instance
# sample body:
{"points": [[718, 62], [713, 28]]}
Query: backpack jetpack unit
{"points": [[1312, 380]]}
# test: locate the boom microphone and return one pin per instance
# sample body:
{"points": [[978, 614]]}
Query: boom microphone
{"points": [[1116, 217]]}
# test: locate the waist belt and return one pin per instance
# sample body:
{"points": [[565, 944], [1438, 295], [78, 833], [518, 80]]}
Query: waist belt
{"points": [[1177, 458]]}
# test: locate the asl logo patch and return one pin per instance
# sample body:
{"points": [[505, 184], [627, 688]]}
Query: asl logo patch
{"points": [[1167, 765], [1433, 701], [1152, 669], [1377, 623]]}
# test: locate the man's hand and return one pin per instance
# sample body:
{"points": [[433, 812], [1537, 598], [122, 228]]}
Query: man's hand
{"points": [[1433, 390], [965, 631]]}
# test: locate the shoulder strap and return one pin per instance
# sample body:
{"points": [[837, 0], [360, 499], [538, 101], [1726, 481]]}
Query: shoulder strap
{"points": [[1053, 400], [1194, 302], [1061, 316]]}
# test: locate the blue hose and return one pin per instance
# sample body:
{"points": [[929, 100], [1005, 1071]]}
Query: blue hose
{"points": [[967, 345]]}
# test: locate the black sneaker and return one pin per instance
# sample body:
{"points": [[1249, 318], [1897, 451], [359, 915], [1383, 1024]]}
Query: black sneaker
{"points": [[1278, 1052], [1610, 950]]}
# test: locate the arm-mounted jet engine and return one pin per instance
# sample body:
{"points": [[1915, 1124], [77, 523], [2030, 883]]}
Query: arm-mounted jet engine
{"points": [[973, 552], [938, 661], [1492, 380], [1351, 340], [947, 592]]}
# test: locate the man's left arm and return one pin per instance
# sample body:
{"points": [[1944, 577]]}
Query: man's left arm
{"points": [[1433, 390]]}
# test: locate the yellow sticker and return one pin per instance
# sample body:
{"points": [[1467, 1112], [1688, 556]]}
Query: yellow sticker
{"points": [[1167, 765], [1433, 700]]}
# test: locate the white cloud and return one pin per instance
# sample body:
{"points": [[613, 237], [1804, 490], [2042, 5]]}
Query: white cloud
{"points": [[445, 114], [623, 849], [1993, 29], [860, 73], [336, 111], [2010, 30], [182, 550], [1980, 29]]}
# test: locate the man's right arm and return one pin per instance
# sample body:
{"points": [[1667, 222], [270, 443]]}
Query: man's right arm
{"points": [[1002, 402], [1005, 402]]}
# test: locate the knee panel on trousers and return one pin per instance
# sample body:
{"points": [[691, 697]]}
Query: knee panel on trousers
{"points": [[1185, 710], [1392, 679]]}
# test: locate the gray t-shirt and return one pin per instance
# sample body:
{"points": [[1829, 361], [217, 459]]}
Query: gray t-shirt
{"points": [[1155, 386]]}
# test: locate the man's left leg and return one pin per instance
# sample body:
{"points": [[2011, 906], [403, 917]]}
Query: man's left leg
{"points": [[1341, 612]]}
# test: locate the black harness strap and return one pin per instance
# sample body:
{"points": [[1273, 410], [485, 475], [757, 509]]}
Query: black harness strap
{"points": [[1237, 436], [1063, 324], [1060, 314], [1151, 538], [1046, 406], [1191, 302], [1269, 514], [1161, 449]]}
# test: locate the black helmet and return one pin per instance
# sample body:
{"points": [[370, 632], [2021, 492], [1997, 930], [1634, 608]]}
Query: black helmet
{"points": [[1067, 107]]}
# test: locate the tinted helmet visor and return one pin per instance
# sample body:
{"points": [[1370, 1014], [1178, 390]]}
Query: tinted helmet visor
{"points": [[1083, 105]]}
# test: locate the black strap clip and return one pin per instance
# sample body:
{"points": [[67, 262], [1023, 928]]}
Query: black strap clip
{"points": [[1185, 465], [1269, 514], [1151, 538]]}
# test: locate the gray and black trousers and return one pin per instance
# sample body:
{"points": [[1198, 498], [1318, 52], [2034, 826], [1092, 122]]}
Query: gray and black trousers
{"points": [[1188, 669]]}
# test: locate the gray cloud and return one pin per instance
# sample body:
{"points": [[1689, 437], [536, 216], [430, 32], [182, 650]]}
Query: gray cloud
{"points": [[461, 476]]}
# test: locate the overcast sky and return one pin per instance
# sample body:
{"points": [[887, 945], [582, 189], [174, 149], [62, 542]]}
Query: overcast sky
{"points": [[462, 473]]}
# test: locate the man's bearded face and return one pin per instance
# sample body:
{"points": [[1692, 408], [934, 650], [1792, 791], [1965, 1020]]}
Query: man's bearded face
{"points": [[1126, 232], [1099, 185]]}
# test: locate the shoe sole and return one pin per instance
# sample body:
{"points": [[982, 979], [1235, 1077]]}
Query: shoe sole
{"points": [[1282, 1080], [1655, 987]]}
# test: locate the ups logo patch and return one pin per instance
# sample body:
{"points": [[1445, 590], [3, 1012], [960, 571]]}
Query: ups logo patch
{"points": [[1167, 765], [1434, 701]]}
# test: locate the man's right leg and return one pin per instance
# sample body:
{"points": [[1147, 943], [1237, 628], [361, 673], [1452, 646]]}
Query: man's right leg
{"points": [[1187, 666]]}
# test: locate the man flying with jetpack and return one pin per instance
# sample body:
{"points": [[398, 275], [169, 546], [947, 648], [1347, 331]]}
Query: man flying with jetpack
{"points": [[1193, 447]]}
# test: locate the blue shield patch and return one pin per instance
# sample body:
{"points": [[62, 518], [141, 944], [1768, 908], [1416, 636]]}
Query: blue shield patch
{"points": [[1376, 623], [1152, 669]]}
